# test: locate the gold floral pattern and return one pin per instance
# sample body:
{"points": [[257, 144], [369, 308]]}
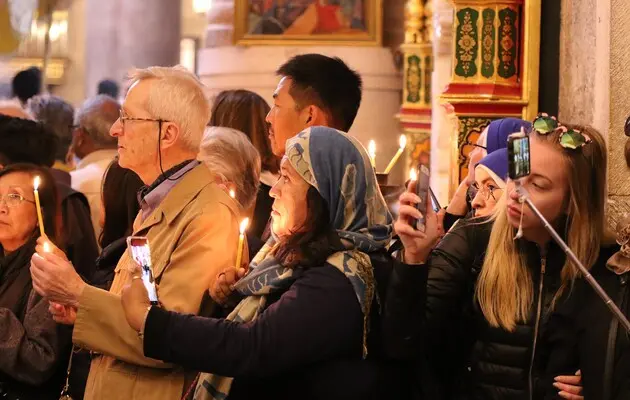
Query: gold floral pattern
{"points": [[466, 42]]}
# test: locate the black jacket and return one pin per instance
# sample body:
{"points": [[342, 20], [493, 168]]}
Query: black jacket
{"points": [[586, 337], [463, 357], [307, 344]]}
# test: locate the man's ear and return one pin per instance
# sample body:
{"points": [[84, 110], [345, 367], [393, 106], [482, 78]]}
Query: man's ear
{"points": [[316, 116], [170, 134]]}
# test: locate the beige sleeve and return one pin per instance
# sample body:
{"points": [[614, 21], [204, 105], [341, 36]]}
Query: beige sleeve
{"points": [[207, 245]]}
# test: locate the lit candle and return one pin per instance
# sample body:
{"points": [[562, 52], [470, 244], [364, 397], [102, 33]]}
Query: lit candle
{"points": [[241, 238], [232, 194], [46, 247], [372, 152], [413, 175], [402, 144], [40, 219]]}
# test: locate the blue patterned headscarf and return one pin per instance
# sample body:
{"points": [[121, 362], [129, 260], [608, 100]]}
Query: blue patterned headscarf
{"points": [[339, 168], [500, 129]]}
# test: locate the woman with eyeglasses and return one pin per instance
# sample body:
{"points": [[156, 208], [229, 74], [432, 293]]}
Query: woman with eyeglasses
{"points": [[481, 320], [33, 349], [492, 138], [489, 185]]}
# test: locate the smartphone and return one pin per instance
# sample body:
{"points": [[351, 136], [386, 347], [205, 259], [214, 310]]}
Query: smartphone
{"points": [[518, 155], [141, 254], [434, 201], [422, 190]]}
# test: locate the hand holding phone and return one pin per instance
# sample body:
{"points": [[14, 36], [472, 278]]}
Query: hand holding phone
{"points": [[518, 155], [141, 254]]}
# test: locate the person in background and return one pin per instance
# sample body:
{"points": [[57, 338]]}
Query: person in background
{"points": [[12, 108], [94, 150], [33, 348], [109, 88], [26, 84], [26, 141], [492, 138], [191, 224], [235, 163], [245, 111], [481, 319], [57, 115], [118, 211], [309, 328], [314, 90], [490, 176]]}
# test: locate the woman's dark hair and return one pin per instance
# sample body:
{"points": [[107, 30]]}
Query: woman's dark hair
{"points": [[246, 111], [120, 202], [48, 198], [317, 239]]}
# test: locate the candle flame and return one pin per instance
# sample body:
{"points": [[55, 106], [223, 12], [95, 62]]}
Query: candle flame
{"points": [[36, 182], [46, 247], [372, 148], [413, 175], [402, 141], [232, 194], [244, 225]]}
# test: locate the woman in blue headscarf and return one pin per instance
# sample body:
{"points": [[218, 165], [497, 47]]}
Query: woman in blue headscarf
{"points": [[301, 327], [491, 139]]}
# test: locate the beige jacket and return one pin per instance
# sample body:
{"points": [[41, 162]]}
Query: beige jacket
{"points": [[193, 234]]}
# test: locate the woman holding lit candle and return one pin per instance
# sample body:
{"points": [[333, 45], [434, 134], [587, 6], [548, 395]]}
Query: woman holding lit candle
{"points": [[31, 345], [301, 329]]}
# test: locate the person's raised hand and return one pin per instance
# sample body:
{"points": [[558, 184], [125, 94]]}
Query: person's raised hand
{"points": [[417, 244]]}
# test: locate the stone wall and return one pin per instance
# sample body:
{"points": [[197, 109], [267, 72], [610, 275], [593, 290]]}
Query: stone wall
{"points": [[595, 82]]}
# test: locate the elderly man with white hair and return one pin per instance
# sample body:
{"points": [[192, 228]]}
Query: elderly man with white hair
{"points": [[189, 219], [95, 149]]}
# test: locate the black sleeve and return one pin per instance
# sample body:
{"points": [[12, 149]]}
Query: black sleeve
{"points": [[81, 247], [318, 318], [402, 321], [427, 299], [561, 343]]}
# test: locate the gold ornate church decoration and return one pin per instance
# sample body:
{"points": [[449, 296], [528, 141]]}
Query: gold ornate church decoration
{"points": [[495, 65], [415, 112]]}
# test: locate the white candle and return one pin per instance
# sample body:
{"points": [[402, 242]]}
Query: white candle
{"points": [[241, 238], [372, 152], [402, 142], [40, 219]]}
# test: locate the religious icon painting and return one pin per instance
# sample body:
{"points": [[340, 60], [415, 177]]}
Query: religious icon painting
{"points": [[308, 22]]}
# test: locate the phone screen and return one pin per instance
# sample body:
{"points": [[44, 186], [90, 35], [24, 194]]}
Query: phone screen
{"points": [[141, 254], [518, 155], [422, 190]]}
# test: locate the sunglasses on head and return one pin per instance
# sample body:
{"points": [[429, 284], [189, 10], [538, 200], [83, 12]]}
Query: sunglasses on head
{"points": [[569, 138]]}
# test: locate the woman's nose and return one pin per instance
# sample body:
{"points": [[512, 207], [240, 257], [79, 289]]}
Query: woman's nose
{"points": [[478, 201]]}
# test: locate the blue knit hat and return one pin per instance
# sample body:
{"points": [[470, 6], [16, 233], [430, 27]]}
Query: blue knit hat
{"points": [[500, 129], [496, 165]]}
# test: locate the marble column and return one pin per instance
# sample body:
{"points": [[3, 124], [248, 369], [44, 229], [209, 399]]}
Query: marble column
{"points": [[594, 84], [443, 127], [129, 33]]}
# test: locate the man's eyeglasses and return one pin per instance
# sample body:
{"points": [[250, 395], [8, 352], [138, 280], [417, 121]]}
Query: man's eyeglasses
{"points": [[13, 200], [123, 118], [487, 191]]}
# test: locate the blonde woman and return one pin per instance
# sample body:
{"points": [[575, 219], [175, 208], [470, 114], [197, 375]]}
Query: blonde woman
{"points": [[488, 294]]}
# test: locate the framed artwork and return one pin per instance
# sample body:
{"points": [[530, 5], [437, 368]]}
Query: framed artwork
{"points": [[308, 22]]}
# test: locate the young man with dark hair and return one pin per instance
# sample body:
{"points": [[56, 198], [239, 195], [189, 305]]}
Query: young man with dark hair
{"points": [[26, 141], [314, 90], [26, 84]]}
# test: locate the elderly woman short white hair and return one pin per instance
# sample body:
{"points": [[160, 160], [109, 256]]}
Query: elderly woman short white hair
{"points": [[230, 155]]}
